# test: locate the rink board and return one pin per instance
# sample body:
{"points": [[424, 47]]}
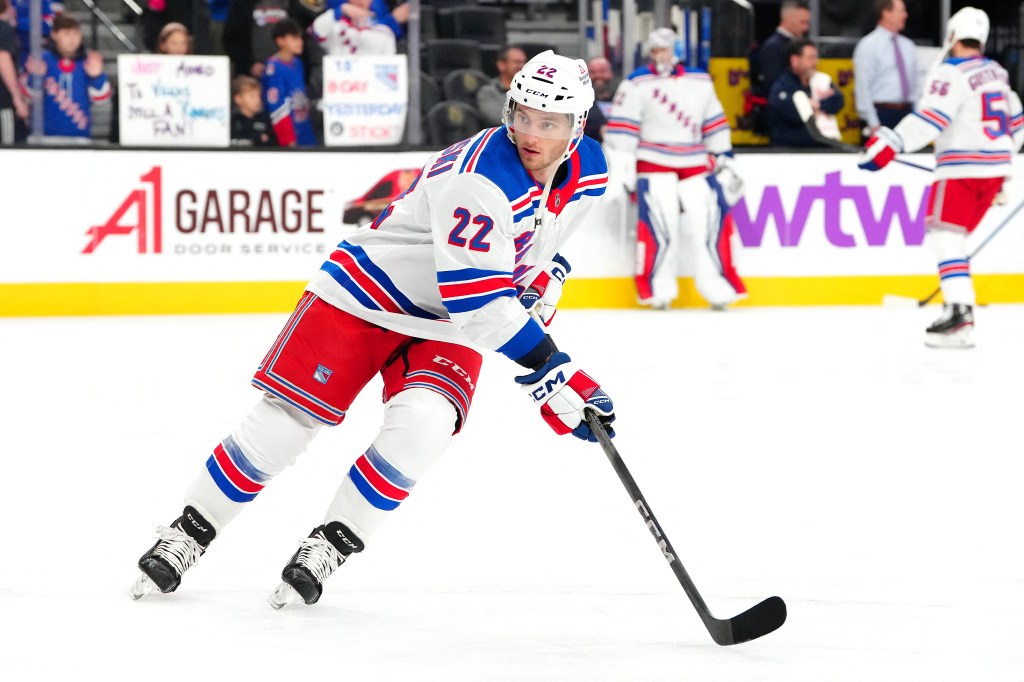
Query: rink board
{"points": [[143, 232]]}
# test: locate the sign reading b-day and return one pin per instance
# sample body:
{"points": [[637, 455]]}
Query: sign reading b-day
{"points": [[174, 101], [365, 100]]}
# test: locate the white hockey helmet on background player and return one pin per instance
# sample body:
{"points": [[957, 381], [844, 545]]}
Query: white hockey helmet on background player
{"points": [[552, 83], [662, 39], [970, 23]]}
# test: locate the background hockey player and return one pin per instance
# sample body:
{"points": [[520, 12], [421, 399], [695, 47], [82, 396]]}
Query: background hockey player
{"points": [[668, 138], [974, 120], [456, 260]]}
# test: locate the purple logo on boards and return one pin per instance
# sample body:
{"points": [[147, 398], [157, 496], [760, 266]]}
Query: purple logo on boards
{"points": [[832, 193]]}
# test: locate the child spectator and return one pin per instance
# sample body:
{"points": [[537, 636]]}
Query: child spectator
{"points": [[71, 84], [250, 125], [174, 38], [284, 88]]}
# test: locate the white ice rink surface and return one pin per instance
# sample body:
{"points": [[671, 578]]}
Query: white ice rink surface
{"points": [[820, 454]]}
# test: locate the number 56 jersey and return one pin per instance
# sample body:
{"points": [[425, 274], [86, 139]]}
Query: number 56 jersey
{"points": [[972, 115], [448, 258]]}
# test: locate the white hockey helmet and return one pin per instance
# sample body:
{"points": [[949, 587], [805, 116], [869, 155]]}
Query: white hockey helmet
{"points": [[552, 83], [660, 38], [969, 23]]}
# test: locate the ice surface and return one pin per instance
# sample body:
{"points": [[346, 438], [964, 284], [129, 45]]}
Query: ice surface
{"points": [[821, 454]]}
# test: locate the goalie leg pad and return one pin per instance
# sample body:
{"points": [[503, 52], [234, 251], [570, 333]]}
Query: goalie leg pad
{"points": [[709, 245], [657, 239]]}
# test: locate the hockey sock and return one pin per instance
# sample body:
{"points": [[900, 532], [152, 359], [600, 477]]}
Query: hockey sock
{"points": [[418, 425], [267, 441], [950, 249]]}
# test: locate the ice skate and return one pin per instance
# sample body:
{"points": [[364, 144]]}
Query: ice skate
{"points": [[317, 558], [176, 550], [954, 329]]}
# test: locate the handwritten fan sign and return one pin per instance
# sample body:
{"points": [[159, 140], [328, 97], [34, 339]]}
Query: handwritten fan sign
{"points": [[365, 100], [174, 101]]}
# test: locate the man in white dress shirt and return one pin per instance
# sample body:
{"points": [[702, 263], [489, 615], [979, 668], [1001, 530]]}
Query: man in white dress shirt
{"points": [[885, 70]]}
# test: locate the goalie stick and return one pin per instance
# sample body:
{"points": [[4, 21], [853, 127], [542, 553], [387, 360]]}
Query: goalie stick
{"points": [[893, 300], [806, 113], [765, 617]]}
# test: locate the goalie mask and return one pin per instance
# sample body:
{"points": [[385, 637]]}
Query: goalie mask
{"points": [[550, 83]]}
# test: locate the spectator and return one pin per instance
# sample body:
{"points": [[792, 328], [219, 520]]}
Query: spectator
{"points": [[490, 99], [70, 84], [218, 15], [773, 55], [885, 70], [22, 9], [605, 83], [194, 15], [786, 127], [250, 125], [13, 108], [248, 33], [284, 89], [360, 27], [173, 39]]}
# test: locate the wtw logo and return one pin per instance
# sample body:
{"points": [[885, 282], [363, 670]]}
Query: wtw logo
{"points": [[147, 203]]}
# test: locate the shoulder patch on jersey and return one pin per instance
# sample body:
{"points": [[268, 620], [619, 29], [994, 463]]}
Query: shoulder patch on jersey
{"points": [[496, 159]]}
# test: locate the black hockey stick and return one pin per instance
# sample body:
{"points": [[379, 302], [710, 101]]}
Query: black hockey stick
{"points": [[755, 622], [890, 299], [806, 112]]}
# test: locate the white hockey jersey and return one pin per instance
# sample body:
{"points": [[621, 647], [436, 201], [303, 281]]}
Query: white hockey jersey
{"points": [[673, 120], [448, 258], [973, 117], [341, 36]]}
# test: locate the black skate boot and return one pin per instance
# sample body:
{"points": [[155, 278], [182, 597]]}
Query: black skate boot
{"points": [[954, 329], [318, 556], [177, 548]]}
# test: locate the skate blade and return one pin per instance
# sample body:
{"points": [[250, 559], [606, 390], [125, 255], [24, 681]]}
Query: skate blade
{"points": [[958, 340], [282, 596], [142, 587]]}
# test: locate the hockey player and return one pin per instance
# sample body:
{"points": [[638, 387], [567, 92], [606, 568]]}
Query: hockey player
{"points": [[668, 138], [436, 275], [974, 120]]}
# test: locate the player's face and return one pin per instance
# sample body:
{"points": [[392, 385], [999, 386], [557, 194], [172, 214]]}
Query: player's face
{"points": [[67, 40], [541, 137], [662, 56]]}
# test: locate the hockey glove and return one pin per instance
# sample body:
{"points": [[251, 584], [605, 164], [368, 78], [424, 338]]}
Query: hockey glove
{"points": [[563, 393], [881, 148], [730, 184], [541, 297]]}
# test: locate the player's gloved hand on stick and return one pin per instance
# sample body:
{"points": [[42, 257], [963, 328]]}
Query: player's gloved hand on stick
{"points": [[881, 148], [541, 297], [563, 393]]}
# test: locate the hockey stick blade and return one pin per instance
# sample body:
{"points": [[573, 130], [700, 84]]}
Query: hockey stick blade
{"points": [[763, 618], [806, 113]]}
